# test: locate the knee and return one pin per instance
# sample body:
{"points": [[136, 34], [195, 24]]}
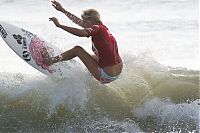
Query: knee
{"points": [[78, 49]]}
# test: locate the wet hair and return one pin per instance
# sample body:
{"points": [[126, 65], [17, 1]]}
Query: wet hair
{"points": [[91, 14]]}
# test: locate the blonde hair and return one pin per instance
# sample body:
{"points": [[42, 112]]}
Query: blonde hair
{"points": [[91, 14]]}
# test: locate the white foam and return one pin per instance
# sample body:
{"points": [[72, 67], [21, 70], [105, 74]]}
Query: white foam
{"points": [[167, 112]]}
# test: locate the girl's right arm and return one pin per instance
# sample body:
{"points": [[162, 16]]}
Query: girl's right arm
{"points": [[73, 18]]}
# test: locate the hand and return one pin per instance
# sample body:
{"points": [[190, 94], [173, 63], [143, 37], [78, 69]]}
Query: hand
{"points": [[57, 5], [55, 20]]}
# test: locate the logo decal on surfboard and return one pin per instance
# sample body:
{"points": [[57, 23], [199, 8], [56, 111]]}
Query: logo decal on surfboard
{"points": [[3, 32], [22, 41], [18, 38], [28, 34], [36, 49], [26, 56]]}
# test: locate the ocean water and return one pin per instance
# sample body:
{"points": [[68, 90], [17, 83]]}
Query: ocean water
{"points": [[158, 90]]}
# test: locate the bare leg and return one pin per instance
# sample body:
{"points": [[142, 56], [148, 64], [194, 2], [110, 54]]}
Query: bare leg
{"points": [[95, 58], [87, 59]]}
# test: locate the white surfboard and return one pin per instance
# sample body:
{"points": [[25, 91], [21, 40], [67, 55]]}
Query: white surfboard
{"points": [[29, 47]]}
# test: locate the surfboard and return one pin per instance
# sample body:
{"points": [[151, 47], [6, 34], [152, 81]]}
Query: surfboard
{"points": [[29, 47]]}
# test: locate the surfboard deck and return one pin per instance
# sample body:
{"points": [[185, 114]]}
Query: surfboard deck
{"points": [[29, 47]]}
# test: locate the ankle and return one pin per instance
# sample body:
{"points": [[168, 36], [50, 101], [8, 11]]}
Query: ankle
{"points": [[57, 58]]}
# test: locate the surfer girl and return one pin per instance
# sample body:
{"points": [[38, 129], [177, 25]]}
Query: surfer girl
{"points": [[106, 64]]}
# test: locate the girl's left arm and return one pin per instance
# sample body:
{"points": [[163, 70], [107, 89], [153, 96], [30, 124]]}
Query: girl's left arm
{"points": [[75, 31]]}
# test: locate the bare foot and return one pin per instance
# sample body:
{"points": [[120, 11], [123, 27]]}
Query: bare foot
{"points": [[47, 59]]}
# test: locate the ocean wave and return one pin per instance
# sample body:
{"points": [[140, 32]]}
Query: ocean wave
{"points": [[39, 103]]}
